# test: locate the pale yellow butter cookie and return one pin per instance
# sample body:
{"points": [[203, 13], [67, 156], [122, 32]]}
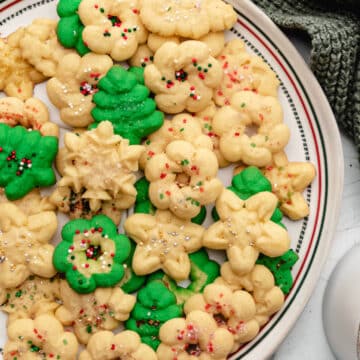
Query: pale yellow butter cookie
{"points": [[112, 27], [183, 76], [31, 113], [196, 336], [41, 338], [189, 19], [245, 230], [40, 47], [251, 129], [125, 346], [17, 75], [104, 309], [163, 242], [24, 245], [243, 72], [75, 82], [98, 167]]}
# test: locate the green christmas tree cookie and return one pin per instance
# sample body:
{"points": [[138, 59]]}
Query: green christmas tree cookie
{"points": [[281, 268], [91, 254], [70, 27], [155, 305], [25, 160], [247, 183], [131, 282], [124, 100], [143, 204], [203, 272]]}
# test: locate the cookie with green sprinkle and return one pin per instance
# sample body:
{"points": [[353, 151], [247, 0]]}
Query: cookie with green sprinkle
{"points": [[155, 305], [281, 268], [125, 101], [25, 160], [91, 253]]}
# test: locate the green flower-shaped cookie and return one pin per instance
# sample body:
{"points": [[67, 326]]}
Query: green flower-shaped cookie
{"points": [[155, 305], [91, 254], [281, 268], [247, 183], [25, 160], [124, 100], [70, 27], [203, 272], [143, 204]]}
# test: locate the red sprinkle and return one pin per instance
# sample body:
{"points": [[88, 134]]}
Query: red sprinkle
{"points": [[168, 193], [201, 76], [237, 134], [112, 347], [163, 176]]}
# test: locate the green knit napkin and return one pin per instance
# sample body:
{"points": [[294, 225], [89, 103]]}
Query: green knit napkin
{"points": [[334, 29]]}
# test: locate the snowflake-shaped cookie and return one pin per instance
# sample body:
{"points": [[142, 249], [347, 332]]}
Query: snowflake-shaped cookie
{"points": [[125, 345], [289, 180], [232, 310], [74, 84], [189, 19], [251, 128], [260, 283], [163, 242], [31, 113], [100, 166], [103, 309], [243, 71], [43, 337], [183, 178], [196, 336], [17, 76], [40, 47], [112, 27], [245, 230], [24, 245], [183, 76]]}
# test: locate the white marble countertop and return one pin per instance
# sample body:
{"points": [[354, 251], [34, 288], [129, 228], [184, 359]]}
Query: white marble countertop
{"points": [[307, 339]]}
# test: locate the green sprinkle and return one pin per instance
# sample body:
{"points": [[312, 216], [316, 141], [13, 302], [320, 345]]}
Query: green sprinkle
{"points": [[266, 138], [253, 145], [199, 68], [65, 342], [148, 142], [243, 105], [8, 296], [185, 162], [182, 129], [210, 65], [89, 329], [34, 348], [102, 10], [199, 183], [161, 196]]}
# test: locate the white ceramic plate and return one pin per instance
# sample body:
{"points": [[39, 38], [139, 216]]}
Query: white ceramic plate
{"points": [[314, 137]]}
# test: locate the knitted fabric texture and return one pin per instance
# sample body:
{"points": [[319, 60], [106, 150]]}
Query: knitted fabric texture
{"points": [[334, 30]]}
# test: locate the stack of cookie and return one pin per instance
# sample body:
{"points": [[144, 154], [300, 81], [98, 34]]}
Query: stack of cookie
{"points": [[153, 89]]}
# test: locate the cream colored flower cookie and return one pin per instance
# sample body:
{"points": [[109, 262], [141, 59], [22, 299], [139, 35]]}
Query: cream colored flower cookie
{"points": [[112, 27], [103, 309], [183, 178], [75, 82], [206, 117], [24, 245], [288, 181], [183, 76], [243, 72], [260, 283], [31, 113], [197, 336], [40, 47], [42, 338], [35, 296], [163, 242], [232, 310], [214, 40], [245, 230], [125, 346], [251, 129], [99, 167], [17, 76], [189, 19]]}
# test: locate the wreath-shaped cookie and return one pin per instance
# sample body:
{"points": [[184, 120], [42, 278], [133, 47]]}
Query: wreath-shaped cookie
{"points": [[245, 230], [112, 28], [163, 242], [91, 253], [74, 84], [183, 76], [196, 336], [251, 129], [43, 337]]}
